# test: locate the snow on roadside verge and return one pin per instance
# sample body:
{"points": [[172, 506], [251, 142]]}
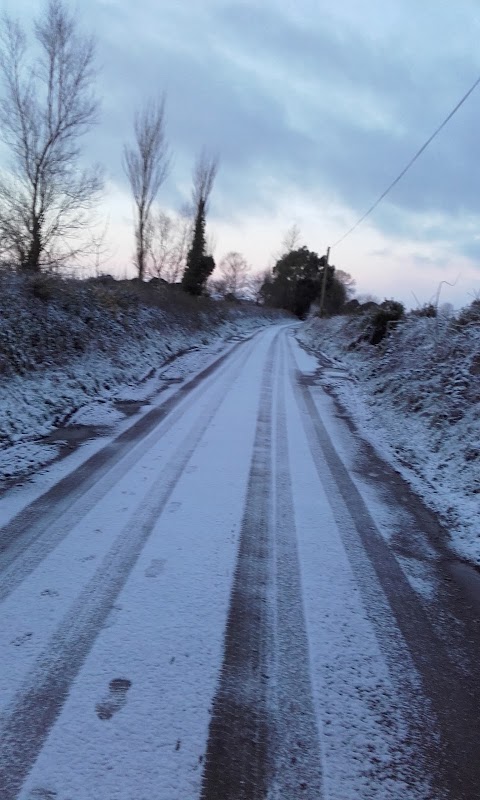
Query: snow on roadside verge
{"points": [[91, 389], [417, 400]]}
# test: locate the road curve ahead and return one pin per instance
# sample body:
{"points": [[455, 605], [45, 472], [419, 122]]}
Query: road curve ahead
{"points": [[236, 599]]}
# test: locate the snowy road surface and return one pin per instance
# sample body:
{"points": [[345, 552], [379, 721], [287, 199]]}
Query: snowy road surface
{"points": [[235, 599]]}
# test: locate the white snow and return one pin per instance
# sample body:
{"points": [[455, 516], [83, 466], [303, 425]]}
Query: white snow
{"points": [[166, 631], [91, 389], [164, 634], [354, 690], [417, 400], [96, 413]]}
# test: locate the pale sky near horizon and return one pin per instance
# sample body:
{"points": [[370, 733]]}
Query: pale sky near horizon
{"points": [[313, 108]]}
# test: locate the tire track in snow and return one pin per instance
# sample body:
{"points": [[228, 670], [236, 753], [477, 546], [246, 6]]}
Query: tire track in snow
{"points": [[444, 720], [25, 725], [263, 740], [239, 763], [298, 771], [36, 530]]}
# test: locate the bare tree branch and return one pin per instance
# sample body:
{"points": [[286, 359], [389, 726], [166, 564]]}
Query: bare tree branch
{"points": [[146, 166], [234, 274], [46, 107], [170, 241], [255, 283], [204, 173], [291, 239]]}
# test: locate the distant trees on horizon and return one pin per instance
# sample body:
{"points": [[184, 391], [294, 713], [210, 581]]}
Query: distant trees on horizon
{"points": [[48, 196]]}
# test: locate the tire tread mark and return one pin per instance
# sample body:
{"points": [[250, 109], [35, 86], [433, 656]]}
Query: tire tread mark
{"points": [[61, 507], [238, 763], [25, 725], [448, 735], [298, 757]]}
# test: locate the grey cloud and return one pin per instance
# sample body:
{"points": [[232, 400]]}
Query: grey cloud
{"points": [[233, 73], [471, 249]]}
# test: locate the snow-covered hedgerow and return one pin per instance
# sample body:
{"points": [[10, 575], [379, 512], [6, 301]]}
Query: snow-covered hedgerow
{"points": [[417, 396], [65, 341]]}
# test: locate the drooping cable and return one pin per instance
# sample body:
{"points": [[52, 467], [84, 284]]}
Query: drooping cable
{"points": [[410, 163]]}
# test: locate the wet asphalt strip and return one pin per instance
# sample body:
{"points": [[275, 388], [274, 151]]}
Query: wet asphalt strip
{"points": [[33, 533], [25, 724], [263, 740], [445, 724]]}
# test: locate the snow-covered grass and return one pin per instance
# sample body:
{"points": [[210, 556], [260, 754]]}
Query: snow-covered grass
{"points": [[416, 396], [69, 344]]}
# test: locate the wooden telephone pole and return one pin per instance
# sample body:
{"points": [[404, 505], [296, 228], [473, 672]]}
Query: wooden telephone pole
{"points": [[324, 283]]}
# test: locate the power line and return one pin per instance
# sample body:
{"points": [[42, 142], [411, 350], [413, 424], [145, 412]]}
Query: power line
{"points": [[410, 163]]}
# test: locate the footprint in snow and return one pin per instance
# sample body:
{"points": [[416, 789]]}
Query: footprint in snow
{"points": [[115, 700], [157, 566], [19, 640]]}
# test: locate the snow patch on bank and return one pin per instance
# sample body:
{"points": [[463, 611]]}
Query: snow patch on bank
{"points": [[416, 398], [95, 389]]}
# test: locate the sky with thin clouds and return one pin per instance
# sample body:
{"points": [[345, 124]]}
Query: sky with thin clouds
{"points": [[313, 107]]}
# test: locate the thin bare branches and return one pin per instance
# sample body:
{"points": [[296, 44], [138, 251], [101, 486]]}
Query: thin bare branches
{"points": [[204, 173], [146, 165], [233, 270], [47, 105], [170, 241], [200, 264]]}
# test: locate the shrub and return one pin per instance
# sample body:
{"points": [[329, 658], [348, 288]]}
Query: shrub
{"points": [[470, 314], [428, 310], [382, 319]]}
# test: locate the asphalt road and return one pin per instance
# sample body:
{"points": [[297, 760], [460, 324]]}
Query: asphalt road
{"points": [[234, 599]]}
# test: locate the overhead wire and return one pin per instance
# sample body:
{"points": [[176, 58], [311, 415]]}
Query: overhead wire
{"points": [[410, 163]]}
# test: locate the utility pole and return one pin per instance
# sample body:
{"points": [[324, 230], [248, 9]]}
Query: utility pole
{"points": [[324, 283]]}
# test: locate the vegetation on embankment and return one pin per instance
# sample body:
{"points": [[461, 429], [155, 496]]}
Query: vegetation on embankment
{"points": [[416, 393], [64, 341]]}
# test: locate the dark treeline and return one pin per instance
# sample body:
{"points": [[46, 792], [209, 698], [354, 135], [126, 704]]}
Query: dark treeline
{"points": [[295, 283]]}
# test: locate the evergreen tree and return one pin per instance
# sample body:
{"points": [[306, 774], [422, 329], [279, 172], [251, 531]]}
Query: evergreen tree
{"points": [[192, 281], [295, 283], [199, 264]]}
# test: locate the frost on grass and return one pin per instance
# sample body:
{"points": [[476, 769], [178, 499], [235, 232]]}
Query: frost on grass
{"points": [[417, 397], [70, 348]]}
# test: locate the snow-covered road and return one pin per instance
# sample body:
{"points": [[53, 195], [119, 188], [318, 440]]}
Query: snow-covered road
{"points": [[235, 599]]}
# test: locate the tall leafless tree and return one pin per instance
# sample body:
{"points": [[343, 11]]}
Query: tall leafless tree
{"points": [[348, 282], [170, 241], [233, 274], [290, 241], [255, 283], [146, 166], [204, 174], [47, 105]]}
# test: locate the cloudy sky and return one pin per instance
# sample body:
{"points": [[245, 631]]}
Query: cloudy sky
{"points": [[314, 107]]}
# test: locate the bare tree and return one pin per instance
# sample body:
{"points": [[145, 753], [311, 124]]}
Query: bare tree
{"points": [[146, 166], [160, 244], [170, 240], [211, 242], [291, 239], [47, 106], [348, 282], [234, 274], [255, 283], [99, 248], [204, 174]]}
